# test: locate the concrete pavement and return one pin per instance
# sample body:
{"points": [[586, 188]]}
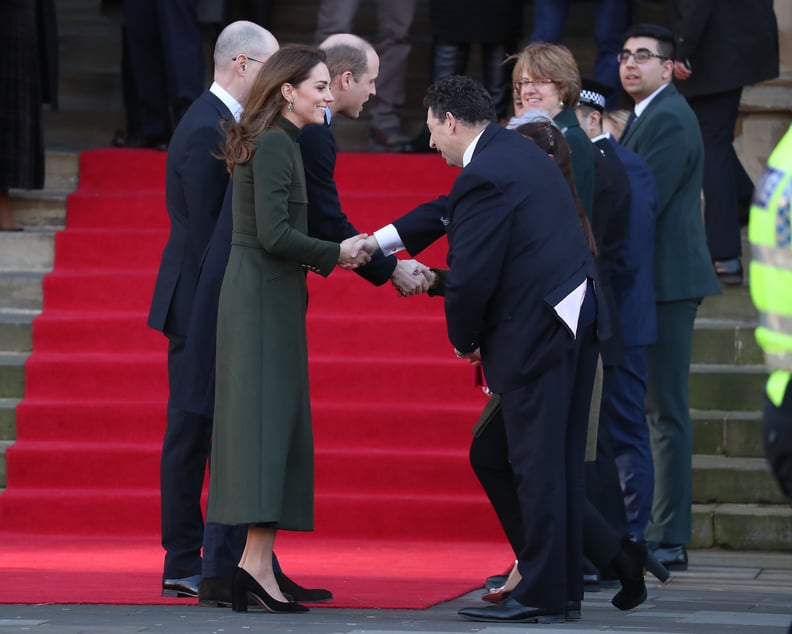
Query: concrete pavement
{"points": [[722, 592]]}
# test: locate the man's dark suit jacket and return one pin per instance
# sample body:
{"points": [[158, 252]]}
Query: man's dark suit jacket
{"points": [[326, 220], [515, 251], [192, 210], [730, 43], [632, 277], [194, 390]]}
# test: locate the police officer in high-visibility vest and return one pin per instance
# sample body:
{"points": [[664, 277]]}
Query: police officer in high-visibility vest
{"points": [[771, 291]]}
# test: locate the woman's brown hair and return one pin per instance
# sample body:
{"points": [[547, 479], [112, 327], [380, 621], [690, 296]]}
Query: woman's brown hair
{"points": [[552, 61], [289, 65]]}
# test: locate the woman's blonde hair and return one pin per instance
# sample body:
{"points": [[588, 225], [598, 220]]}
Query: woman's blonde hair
{"points": [[289, 65], [552, 61], [618, 121]]}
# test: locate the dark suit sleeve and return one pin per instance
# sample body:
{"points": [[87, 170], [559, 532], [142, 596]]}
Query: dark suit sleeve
{"points": [[480, 239], [205, 178], [326, 220], [423, 225]]}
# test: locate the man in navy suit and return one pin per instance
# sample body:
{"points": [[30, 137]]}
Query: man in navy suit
{"points": [[354, 65], [518, 293], [195, 186], [622, 413]]}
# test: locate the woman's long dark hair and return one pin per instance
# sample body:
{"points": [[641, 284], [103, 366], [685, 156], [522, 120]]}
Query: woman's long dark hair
{"points": [[289, 65], [548, 137]]}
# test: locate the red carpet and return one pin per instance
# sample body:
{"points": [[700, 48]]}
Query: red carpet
{"points": [[400, 518]]}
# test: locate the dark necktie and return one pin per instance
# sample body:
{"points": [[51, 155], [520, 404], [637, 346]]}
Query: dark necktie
{"points": [[630, 121]]}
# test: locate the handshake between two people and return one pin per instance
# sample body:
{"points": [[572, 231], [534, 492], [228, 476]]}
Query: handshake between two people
{"points": [[410, 277]]}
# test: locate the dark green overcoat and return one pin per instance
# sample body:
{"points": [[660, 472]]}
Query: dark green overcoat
{"points": [[262, 451]]}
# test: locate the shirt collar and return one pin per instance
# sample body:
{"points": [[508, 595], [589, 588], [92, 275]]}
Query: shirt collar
{"points": [[223, 95], [468, 155], [640, 107]]}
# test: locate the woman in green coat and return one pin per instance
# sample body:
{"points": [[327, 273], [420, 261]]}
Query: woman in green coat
{"points": [[262, 452]]}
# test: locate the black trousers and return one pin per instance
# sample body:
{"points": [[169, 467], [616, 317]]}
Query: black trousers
{"points": [[727, 186], [185, 451]]}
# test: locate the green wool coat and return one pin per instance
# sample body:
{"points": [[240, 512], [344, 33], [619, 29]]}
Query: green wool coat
{"points": [[262, 450]]}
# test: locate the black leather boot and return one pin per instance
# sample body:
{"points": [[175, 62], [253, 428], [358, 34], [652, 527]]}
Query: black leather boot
{"points": [[496, 76], [449, 58]]}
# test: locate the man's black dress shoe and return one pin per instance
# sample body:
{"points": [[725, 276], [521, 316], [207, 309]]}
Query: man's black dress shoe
{"points": [[185, 587], [297, 593], [672, 556], [729, 271], [573, 611], [512, 611], [215, 592]]}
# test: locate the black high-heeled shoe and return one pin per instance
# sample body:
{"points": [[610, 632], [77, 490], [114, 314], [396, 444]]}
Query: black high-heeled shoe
{"points": [[245, 587], [629, 566]]}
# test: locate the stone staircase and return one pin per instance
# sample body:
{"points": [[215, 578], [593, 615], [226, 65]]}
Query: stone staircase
{"points": [[736, 502], [25, 257]]}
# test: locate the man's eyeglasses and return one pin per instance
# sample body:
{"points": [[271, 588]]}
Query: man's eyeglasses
{"points": [[536, 83], [250, 59], [640, 56]]}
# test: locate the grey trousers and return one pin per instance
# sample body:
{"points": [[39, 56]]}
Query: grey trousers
{"points": [[392, 43]]}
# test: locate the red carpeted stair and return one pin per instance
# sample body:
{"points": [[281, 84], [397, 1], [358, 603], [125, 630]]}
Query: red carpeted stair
{"points": [[395, 496]]}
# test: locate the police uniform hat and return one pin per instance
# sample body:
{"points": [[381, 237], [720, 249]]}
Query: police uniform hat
{"points": [[593, 93]]}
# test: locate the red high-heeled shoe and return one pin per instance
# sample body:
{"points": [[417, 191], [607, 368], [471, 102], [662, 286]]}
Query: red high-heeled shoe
{"points": [[496, 595]]}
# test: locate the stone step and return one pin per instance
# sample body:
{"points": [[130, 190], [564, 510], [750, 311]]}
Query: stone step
{"points": [[30, 250], [735, 304], [39, 208], [734, 480], [93, 91], [722, 341], [726, 387], [62, 171], [726, 433], [12, 374], [16, 329], [77, 130], [21, 290], [8, 418], [742, 526]]}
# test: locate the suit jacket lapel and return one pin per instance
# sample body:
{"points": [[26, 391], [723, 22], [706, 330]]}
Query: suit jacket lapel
{"points": [[667, 92]]}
